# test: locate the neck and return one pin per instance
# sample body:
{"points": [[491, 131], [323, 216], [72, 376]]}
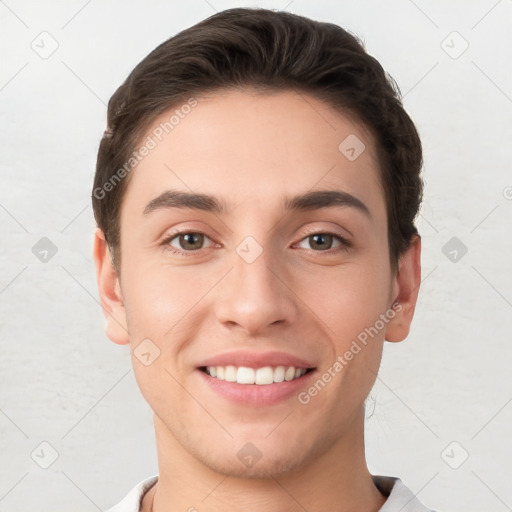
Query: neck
{"points": [[337, 479]]}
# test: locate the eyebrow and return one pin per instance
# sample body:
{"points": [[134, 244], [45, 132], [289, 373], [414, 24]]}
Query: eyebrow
{"points": [[313, 200]]}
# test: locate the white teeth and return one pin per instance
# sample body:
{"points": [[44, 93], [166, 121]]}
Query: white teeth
{"points": [[244, 375], [264, 375], [290, 373], [230, 374], [279, 374], [260, 376]]}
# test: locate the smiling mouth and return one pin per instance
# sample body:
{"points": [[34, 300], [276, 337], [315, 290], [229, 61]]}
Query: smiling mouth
{"points": [[261, 376]]}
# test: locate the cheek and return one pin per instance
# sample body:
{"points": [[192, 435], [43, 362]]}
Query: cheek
{"points": [[160, 297], [347, 299], [160, 308]]}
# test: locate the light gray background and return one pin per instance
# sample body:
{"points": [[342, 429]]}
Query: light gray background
{"points": [[64, 383]]}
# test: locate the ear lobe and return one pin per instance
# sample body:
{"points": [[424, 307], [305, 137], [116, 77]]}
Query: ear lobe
{"points": [[109, 291], [407, 282]]}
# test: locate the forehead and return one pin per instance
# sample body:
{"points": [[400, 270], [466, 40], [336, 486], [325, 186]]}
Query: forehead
{"points": [[252, 148]]}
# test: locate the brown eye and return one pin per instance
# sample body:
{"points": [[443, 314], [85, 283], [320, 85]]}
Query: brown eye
{"points": [[191, 241], [186, 241], [319, 242]]}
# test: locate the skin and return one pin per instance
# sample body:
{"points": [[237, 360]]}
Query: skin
{"points": [[252, 150]]}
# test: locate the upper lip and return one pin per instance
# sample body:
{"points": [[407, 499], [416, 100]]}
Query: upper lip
{"points": [[256, 360]]}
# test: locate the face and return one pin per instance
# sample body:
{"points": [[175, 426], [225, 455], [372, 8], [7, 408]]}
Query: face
{"points": [[264, 273]]}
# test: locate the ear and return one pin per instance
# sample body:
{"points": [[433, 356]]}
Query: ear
{"points": [[109, 291], [406, 286]]}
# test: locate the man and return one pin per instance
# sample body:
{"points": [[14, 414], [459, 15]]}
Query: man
{"points": [[255, 195]]}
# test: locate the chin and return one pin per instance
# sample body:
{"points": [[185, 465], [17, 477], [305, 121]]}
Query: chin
{"points": [[263, 469]]}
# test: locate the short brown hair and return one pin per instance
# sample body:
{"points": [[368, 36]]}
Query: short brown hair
{"points": [[269, 50]]}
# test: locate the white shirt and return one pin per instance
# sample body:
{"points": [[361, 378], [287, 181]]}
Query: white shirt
{"points": [[399, 497]]}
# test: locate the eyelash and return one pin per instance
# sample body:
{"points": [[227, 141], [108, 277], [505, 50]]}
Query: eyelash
{"points": [[345, 244]]}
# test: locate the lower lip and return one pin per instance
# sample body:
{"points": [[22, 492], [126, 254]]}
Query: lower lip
{"points": [[256, 394]]}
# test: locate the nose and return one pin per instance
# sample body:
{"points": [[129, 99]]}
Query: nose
{"points": [[256, 295]]}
